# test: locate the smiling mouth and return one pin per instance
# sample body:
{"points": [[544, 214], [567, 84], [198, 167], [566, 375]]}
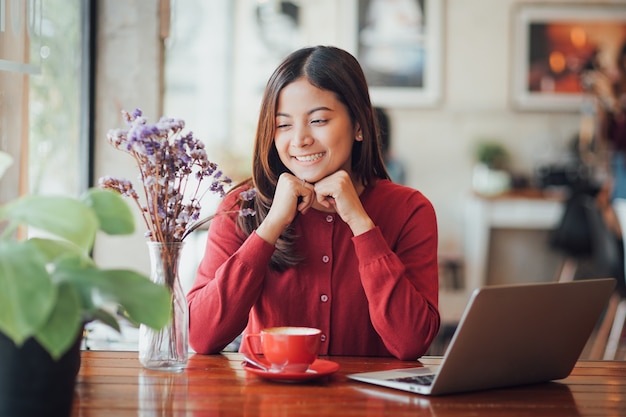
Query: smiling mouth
{"points": [[309, 158]]}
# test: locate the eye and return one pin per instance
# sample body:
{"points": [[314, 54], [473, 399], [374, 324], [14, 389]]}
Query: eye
{"points": [[282, 123], [319, 121]]}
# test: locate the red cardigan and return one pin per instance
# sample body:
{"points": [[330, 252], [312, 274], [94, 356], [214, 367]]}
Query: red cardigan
{"points": [[375, 294]]}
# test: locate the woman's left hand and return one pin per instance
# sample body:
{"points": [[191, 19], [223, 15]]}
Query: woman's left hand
{"points": [[337, 191]]}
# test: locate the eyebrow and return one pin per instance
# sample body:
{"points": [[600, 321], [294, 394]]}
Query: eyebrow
{"points": [[309, 112]]}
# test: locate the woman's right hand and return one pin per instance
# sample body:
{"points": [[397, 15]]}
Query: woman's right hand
{"points": [[292, 195]]}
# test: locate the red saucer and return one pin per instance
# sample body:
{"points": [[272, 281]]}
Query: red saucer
{"points": [[318, 369]]}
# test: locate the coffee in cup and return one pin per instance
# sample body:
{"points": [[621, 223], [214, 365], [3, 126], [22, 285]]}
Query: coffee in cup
{"points": [[286, 349]]}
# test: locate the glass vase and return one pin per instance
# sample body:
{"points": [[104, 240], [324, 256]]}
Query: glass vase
{"points": [[166, 349]]}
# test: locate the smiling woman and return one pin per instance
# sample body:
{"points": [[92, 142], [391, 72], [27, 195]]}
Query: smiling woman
{"points": [[335, 245]]}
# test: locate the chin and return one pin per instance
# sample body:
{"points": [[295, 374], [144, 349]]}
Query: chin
{"points": [[311, 179], [305, 174]]}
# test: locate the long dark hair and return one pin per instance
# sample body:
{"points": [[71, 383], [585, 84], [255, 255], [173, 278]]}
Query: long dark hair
{"points": [[328, 68]]}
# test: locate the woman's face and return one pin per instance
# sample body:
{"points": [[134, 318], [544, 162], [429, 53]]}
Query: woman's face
{"points": [[314, 132]]}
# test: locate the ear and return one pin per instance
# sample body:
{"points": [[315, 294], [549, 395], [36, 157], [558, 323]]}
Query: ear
{"points": [[358, 134]]}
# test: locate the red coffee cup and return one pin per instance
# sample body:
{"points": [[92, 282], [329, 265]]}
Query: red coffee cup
{"points": [[286, 349]]}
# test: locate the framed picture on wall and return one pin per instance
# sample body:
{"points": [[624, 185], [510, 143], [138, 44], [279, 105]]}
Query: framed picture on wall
{"points": [[399, 45], [553, 44]]}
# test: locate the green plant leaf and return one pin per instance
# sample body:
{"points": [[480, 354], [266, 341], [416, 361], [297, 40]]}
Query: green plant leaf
{"points": [[144, 301], [106, 318], [52, 249], [27, 294], [83, 275], [64, 325], [113, 213], [64, 217]]}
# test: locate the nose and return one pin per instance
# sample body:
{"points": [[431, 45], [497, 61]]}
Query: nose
{"points": [[301, 136]]}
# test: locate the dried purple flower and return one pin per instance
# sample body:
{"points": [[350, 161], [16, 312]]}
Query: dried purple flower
{"points": [[248, 195], [247, 212], [172, 167]]}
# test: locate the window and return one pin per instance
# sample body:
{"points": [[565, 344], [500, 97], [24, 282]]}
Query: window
{"points": [[58, 102]]}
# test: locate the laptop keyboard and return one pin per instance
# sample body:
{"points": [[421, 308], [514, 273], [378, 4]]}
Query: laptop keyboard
{"points": [[416, 379]]}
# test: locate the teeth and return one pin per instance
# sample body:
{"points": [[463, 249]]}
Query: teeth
{"points": [[309, 158]]}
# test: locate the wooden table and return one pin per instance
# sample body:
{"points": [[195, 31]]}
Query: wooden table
{"points": [[115, 384]]}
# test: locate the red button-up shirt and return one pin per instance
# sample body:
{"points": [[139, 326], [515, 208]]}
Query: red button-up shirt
{"points": [[375, 294]]}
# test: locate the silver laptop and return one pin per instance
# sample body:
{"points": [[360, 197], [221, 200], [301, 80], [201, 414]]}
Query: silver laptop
{"points": [[510, 335]]}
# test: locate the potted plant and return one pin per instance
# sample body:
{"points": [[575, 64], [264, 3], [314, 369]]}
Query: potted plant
{"points": [[50, 287], [489, 176], [492, 154]]}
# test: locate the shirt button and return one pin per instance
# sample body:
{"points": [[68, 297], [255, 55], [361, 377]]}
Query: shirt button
{"points": [[323, 338], [325, 259], [329, 218], [324, 298]]}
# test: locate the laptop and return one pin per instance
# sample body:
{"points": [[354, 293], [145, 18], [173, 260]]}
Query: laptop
{"points": [[509, 335]]}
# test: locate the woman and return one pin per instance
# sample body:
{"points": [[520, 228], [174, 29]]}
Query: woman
{"points": [[334, 244]]}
